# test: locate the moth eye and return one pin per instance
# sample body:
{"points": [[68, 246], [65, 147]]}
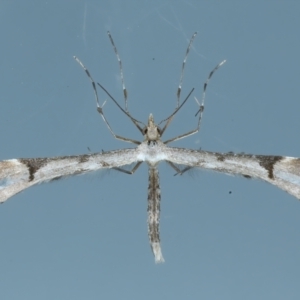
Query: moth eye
{"points": [[145, 130], [158, 130]]}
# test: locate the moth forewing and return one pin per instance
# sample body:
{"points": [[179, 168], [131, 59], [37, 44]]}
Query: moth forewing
{"points": [[281, 171], [18, 174]]}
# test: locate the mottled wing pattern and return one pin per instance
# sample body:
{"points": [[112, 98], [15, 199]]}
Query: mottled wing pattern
{"points": [[281, 171], [17, 175]]}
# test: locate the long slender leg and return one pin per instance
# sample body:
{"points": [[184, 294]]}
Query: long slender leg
{"points": [[91, 79], [169, 119], [178, 171], [130, 172], [183, 171], [205, 86], [125, 94], [201, 107], [118, 137], [183, 66], [135, 121], [153, 213], [121, 70], [100, 108]]}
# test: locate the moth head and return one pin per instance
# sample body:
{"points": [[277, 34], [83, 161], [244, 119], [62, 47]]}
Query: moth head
{"points": [[151, 131]]}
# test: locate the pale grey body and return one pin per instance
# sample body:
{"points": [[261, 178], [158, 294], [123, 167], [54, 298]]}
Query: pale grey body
{"points": [[19, 174]]}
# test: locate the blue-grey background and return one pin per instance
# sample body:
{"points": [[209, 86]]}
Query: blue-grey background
{"points": [[86, 237]]}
